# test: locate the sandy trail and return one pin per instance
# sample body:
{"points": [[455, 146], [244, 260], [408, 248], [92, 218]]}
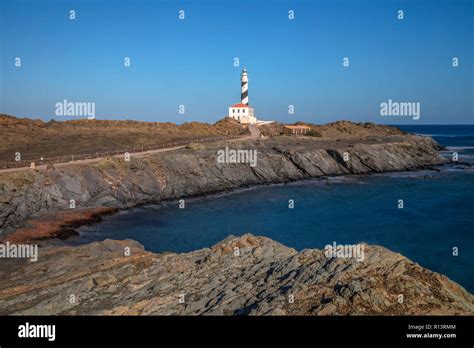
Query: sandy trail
{"points": [[254, 134]]}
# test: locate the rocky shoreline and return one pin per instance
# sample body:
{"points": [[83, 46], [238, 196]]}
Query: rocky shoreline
{"points": [[263, 278], [60, 225], [116, 183], [120, 277]]}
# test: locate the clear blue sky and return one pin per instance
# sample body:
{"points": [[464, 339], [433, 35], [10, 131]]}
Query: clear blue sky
{"points": [[190, 62]]}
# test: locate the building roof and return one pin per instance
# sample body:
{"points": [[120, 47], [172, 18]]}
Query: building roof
{"points": [[297, 127], [240, 105]]}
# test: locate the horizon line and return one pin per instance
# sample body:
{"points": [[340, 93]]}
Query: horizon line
{"points": [[72, 118]]}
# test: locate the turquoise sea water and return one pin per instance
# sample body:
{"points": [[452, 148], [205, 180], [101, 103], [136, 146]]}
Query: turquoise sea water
{"points": [[437, 216]]}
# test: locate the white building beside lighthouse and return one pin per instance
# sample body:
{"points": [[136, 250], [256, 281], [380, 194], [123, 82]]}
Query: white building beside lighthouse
{"points": [[242, 112]]}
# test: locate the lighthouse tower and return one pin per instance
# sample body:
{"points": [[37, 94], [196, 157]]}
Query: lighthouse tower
{"points": [[244, 96], [242, 112]]}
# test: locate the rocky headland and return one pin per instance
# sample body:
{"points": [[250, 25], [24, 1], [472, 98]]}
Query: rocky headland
{"points": [[194, 170], [36, 205]]}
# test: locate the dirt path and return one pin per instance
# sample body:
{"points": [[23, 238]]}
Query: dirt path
{"points": [[254, 134]]}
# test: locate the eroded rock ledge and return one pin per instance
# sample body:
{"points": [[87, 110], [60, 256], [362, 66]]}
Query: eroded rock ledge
{"points": [[215, 281], [116, 183]]}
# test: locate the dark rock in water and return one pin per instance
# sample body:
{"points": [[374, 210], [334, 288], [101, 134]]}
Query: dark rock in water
{"points": [[238, 276]]}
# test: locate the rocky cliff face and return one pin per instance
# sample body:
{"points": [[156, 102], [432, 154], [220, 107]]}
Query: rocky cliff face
{"points": [[262, 278], [195, 170]]}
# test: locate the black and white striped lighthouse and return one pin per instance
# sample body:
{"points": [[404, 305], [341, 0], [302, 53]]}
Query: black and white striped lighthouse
{"points": [[242, 112], [244, 97]]}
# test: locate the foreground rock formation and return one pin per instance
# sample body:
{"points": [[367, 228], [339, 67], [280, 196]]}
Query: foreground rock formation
{"points": [[258, 280], [116, 183]]}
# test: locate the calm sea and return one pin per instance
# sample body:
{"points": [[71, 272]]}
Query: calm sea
{"points": [[438, 214]]}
